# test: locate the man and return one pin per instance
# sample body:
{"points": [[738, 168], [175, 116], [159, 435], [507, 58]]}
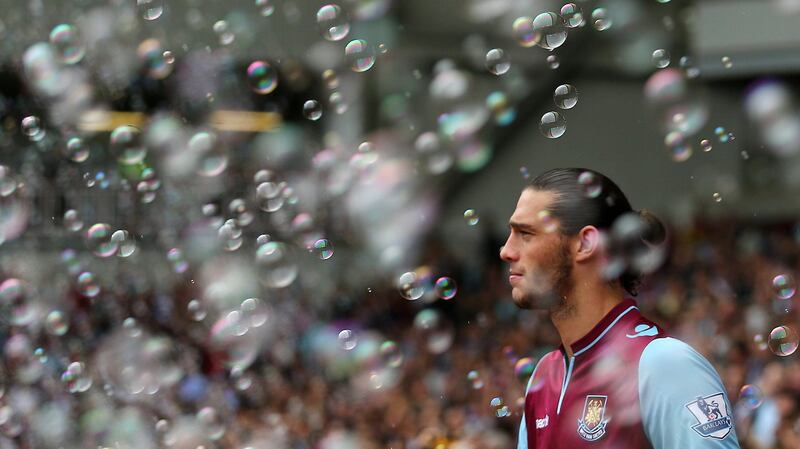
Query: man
{"points": [[617, 381]]}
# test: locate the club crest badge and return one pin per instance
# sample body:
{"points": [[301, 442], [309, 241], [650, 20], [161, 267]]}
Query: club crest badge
{"points": [[592, 425], [711, 412]]}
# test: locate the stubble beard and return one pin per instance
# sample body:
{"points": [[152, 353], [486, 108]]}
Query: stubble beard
{"points": [[556, 300]]}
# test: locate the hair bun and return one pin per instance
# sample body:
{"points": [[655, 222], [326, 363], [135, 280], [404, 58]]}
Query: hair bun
{"points": [[654, 233]]}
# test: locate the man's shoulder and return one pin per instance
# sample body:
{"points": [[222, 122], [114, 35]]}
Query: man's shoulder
{"points": [[671, 360]]}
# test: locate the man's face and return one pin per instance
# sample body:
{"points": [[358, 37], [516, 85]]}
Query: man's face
{"points": [[538, 258]]}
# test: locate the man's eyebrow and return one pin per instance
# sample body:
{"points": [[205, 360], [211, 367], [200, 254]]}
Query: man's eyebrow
{"points": [[521, 226]]}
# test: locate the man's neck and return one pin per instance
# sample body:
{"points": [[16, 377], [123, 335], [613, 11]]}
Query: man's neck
{"points": [[580, 312]]}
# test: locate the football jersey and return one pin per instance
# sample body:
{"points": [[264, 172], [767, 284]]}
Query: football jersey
{"points": [[627, 385]]}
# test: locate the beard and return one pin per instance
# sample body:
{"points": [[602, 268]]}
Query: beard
{"points": [[553, 289]]}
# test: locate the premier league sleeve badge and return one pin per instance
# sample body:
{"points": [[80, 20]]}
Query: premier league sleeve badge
{"points": [[711, 412], [592, 425]]}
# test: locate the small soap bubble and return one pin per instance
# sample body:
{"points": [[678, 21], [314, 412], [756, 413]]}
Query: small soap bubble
{"points": [[553, 62], [445, 288], [783, 341], [547, 221], [524, 33], [127, 146], [705, 144], [323, 248], [360, 55], [391, 354], [565, 96], [552, 125], [726, 62], [332, 22], [475, 379], [410, 286], [72, 221], [500, 409], [265, 7], [65, 40], [572, 15], [76, 378], [661, 58], [99, 241], [497, 62], [87, 285], [590, 184], [196, 310], [262, 77], [523, 369], [471, 217], [222, 30], [312, 110], [552, 29], [751, 397], [76, 151], [31, 127], [784, 286], [348, 339], [760, 343], [56, 323], [600, 19], [717, 197], [150, 9]]}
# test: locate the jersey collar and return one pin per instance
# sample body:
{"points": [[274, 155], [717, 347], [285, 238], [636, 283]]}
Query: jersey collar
{"points": [[589, 340]]}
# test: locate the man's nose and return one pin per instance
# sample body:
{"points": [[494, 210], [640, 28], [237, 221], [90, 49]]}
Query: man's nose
{"points": [[507, 253]]}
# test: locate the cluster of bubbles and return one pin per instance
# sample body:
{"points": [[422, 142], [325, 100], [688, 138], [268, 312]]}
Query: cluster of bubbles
{"points": [[419, 283], [678, 104]]}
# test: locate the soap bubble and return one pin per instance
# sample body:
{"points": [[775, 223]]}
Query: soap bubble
{"points": [[572, 15], [471, 217], [600, 19], [565, 96], [359, 55], [332, 22], [65, 39], [524, 32], [445, 288], [660, 58], [262, 77], [783, 341], [150, 9], [751, 397], [553, 125], [497, 62], [552, 29]]}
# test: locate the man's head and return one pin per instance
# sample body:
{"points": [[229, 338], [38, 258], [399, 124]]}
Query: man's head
{"points": [[558, 227]]}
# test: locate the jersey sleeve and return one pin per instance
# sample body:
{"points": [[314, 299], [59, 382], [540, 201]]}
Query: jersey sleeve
{"points": [[682, 399]]}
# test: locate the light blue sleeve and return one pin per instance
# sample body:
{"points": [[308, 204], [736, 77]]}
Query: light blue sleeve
{"points": [[683, 401], [522, 439]]}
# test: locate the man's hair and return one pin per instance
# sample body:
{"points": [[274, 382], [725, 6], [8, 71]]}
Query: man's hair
{"points": [[585, 197]]}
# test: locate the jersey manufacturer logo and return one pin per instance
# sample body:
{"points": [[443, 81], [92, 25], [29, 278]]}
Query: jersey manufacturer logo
{"points": [[713, 419], [541, 423], [643, 330], [592, 425]]}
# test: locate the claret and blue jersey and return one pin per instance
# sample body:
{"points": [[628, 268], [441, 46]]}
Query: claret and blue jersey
{"points": [[626, 386]]}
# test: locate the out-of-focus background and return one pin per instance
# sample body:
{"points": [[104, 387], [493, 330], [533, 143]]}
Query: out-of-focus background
{"points": [[276, 224]]}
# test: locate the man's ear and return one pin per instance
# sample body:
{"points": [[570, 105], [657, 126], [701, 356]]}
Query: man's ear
{"points": [[588, 243]]}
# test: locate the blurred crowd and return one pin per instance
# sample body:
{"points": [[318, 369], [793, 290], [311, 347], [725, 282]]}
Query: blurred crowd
{"points": [[424, 374]]}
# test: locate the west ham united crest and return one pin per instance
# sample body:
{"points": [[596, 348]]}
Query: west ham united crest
{"points": [[712, 415], [592, 425]]}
